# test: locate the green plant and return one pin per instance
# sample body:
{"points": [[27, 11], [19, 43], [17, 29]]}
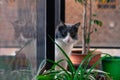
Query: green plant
{"points": [[82, 73], [89, 21]]}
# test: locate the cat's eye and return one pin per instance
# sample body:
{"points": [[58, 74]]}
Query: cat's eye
{"points": [[72, 34], [64, 33]]}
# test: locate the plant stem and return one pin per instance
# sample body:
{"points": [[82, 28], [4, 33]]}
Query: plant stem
{"points": [[84, 28], [89, 28]]}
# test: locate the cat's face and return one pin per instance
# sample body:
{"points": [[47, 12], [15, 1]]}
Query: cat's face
{"points": [[67, 33]]}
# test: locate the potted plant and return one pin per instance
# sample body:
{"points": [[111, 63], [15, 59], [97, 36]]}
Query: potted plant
{"points": [[109, 64], [89, 21], [82, 73]]}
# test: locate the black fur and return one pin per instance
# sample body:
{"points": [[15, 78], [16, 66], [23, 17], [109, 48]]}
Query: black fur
{"points": [[63, 29]]}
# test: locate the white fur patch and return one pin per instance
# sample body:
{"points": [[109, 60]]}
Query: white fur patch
{"points": [[58, 53]]}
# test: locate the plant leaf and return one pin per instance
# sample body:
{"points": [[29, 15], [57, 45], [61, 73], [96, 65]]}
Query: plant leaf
{"points": [[45, 77], [108, 1], [88, 40], [80, 1], [98, 22], [53, 67], [91, 21], [95, 29], [66, 56], [94, 15], [81, 69], [63, 52]]}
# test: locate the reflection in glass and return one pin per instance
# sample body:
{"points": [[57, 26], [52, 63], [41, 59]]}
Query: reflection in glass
{"points": [[17, 39]]}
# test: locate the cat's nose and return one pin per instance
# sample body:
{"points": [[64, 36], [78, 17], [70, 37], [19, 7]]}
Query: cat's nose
{"points": [[68, 40]]}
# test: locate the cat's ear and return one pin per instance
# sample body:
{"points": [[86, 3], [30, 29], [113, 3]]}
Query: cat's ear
{"points": [[77, 25], [61, 24]]}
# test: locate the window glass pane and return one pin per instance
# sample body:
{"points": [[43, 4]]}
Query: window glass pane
{"points": [[108, 34], [107, 4], [18, 39], [103, 1]]}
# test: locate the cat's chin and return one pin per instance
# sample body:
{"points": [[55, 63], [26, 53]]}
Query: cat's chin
{"points": [[70, 42], [65, 42]]}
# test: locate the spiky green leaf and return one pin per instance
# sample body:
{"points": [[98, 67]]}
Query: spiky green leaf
{"points": [[82, 73]]}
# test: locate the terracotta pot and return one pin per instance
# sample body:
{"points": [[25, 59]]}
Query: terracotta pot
{"points": [[76, 58]]}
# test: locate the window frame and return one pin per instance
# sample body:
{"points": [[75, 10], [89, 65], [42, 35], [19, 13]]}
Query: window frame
{"points": [[54, 12]]}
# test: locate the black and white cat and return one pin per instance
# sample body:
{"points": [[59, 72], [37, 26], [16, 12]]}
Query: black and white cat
{"points": [[65, 37]]}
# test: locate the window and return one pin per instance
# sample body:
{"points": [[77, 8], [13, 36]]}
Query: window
{"points": [[22, 38], [107, 4]]}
